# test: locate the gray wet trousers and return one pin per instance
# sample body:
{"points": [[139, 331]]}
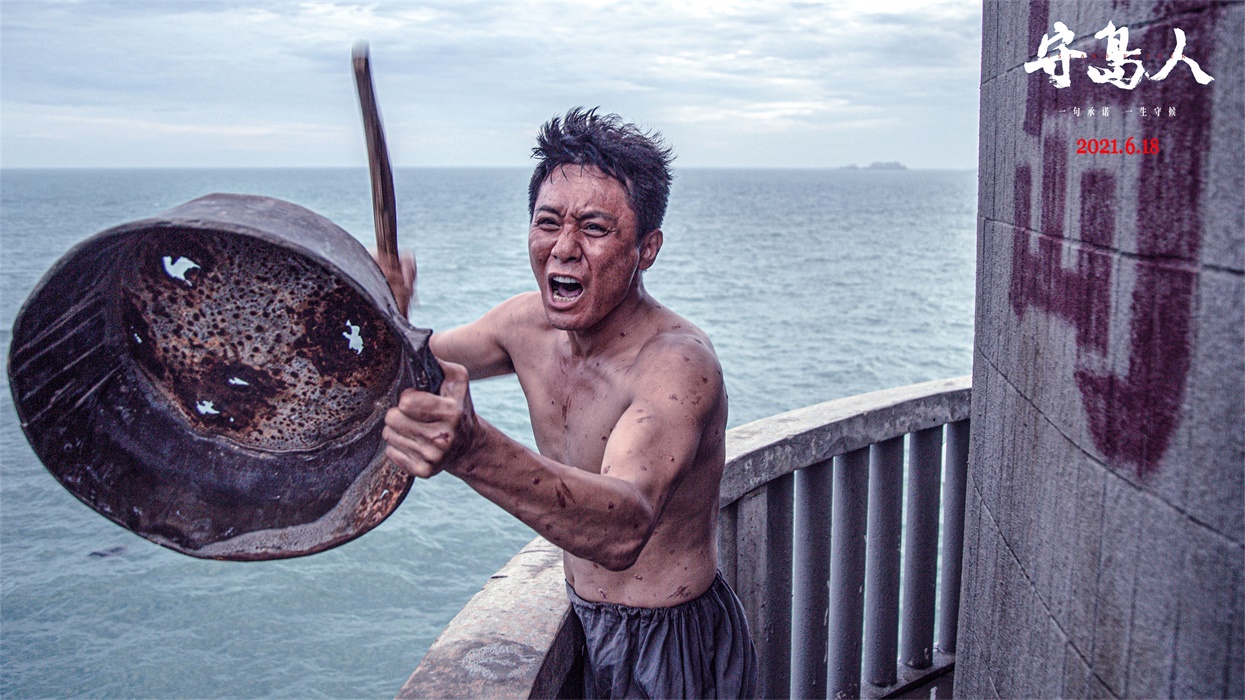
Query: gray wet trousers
{"points": [[697, 649]]}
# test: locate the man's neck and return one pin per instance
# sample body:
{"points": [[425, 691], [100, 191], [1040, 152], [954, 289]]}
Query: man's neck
{"points": [[619, 329]]}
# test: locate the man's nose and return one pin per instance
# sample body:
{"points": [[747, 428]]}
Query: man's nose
{"points": [[566, 247]]}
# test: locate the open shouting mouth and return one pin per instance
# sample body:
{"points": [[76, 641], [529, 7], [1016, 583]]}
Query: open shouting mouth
{"points": [[565, 288]]}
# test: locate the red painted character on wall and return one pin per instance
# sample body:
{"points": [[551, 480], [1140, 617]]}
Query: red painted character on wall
{"points": [[1132, 413]]}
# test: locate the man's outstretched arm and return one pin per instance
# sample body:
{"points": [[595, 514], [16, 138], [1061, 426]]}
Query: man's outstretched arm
{"points": [[606, 518], [478, 345]]}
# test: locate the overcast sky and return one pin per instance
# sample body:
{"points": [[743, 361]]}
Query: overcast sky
{"points": [[742, 84]]}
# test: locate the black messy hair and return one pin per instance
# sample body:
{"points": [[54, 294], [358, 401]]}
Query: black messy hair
{"points": [[638, 160]]}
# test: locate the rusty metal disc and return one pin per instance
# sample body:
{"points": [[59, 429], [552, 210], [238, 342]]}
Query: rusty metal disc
{"points": [[215, 378]]}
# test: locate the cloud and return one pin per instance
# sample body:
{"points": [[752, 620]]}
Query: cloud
{"points": [[494, 70], [50, 123]]}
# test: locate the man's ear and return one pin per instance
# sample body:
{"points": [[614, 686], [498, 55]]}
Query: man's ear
{"points": [[649, 247]]}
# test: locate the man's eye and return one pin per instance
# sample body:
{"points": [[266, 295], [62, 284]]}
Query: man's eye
{"points": [[547, 224], [595, 229]]}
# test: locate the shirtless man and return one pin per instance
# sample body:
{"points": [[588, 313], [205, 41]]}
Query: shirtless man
{"points": [[629, 413]]}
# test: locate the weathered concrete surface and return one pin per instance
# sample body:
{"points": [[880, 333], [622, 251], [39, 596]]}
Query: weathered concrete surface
{"points": [[511, 640], [1105, 518]]}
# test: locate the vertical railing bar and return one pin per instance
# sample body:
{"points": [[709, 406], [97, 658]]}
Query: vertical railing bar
{"points": [[847, 572], [916, 647], [955, 479], [810, 597], [750, 564], [881, 641], [776, 674], [727, 549]]}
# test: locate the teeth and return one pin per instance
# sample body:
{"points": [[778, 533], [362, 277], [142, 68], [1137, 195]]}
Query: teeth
{"points": [[563, 280]]}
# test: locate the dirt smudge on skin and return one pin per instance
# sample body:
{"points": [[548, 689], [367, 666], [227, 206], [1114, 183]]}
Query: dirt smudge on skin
{"points": [[563, 493], [681, 593]]}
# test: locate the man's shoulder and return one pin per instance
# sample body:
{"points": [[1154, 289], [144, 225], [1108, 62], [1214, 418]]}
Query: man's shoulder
{"points": [[675, 334], [680, 353], [521, 311]]}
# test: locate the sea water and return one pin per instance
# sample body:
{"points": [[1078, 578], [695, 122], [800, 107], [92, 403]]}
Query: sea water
{"points": [[812, 285]]}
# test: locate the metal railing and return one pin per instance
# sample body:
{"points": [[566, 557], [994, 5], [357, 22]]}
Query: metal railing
{"points": [[810, 538], [812, 535]]}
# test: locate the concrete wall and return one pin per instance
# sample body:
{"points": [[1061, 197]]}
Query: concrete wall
{"points": [[1105, 516]]}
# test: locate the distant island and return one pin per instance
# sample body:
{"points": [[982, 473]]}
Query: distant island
{"points": [[891, 165]]}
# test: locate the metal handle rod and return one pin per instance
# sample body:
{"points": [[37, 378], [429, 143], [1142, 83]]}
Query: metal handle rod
{"points": [[384, 204]]}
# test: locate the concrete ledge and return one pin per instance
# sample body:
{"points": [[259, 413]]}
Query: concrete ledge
{"points": [[511, 640], [761, 451]]}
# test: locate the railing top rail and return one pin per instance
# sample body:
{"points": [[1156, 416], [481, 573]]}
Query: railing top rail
{"points": [[763, 450]]}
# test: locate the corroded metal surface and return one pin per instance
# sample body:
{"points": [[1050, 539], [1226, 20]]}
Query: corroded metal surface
{"points": [[246, 361], [215, 378]]}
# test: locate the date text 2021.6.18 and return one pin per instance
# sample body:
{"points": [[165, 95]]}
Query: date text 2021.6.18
{"points": [[1130, 147]]}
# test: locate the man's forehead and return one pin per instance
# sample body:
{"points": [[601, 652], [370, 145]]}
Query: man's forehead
{"points": [[572, 171], [575, 174]]}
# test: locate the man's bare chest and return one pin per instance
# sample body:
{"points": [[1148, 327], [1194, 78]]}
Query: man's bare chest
{"points": [[574, 411]]}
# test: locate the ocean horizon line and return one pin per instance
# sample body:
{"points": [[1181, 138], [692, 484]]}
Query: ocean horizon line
{"points": [[260, 168]]}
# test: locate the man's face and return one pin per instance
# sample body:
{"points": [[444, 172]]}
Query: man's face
{"points": [[582, 245]]}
